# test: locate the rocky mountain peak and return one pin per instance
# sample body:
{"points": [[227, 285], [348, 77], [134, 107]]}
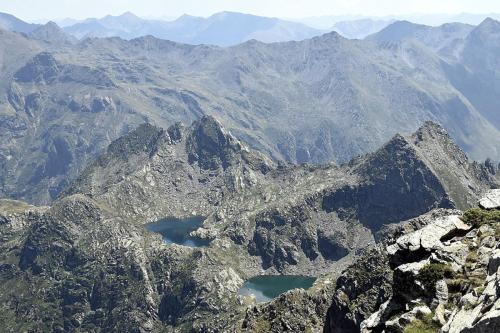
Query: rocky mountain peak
{"points": [[129, 15], [486, 32], [489, 23], [52, 33], [463, 180], [397, 31], [432, 131], [435, 142], [393, 152], [210, 145], [432, 163]]}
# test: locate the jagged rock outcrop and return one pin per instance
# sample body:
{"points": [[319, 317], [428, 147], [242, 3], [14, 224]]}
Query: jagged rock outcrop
{"points": [[361, 290], [295, 311], [444, 269], [176, 171]]}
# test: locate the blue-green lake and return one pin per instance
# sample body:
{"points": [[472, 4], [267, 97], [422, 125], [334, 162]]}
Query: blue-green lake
{"points": [[267, 287], [176, 230]]}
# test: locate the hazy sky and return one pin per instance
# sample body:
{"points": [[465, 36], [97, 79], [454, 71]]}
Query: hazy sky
{"points": [[46, 9]]}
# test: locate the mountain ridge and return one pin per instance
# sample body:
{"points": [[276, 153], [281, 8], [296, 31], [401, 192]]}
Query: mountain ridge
{"points": [[253, 212], [324, 104], [223, 29], [12, 23]]}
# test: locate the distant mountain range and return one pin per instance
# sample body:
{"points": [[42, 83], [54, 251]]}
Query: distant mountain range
{"points": [[222, 29], [231, 28], [327, 21], [12, 23], [359, 29], [322, 99]]}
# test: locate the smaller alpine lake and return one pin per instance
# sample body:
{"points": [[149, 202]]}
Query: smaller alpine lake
{"points": [[176, 230], [267, 287]]}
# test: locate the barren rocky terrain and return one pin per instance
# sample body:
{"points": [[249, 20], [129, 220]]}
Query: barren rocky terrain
{"points": [[88, 263], [319, 100]]}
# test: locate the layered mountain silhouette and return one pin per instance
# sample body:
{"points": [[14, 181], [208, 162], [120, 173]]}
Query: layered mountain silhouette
{"points": [[12, 23], [223, 29], [51, 33], [360, 28], [322, 99]]}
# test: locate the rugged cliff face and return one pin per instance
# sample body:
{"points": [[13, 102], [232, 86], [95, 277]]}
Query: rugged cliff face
{"points": [[438, 272], [89, 264]]}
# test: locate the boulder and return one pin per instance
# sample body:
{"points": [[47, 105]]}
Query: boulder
{"points": [[442, 292], [491, 200], [427, 239], [494, 262], [461, 319]]}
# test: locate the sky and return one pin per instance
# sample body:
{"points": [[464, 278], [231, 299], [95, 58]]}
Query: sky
{"points": [[33, 10]]}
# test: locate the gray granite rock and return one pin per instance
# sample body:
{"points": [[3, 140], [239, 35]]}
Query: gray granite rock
{"points": [[491, 200]]}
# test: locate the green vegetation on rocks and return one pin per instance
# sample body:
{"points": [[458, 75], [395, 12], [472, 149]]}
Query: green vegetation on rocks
{"points": [[479, 216], [423, 325], [432, 273]]}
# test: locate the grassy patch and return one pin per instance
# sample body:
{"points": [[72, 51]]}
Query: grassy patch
{"points": [[8, 206], [432, 273], [478, 216], [471, 260], [424, 325]]}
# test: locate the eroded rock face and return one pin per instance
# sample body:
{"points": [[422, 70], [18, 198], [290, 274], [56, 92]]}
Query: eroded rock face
{"points": [[210, 146], [427, 240], [361, 290], [294, 311], [88, 271], [445, 276], [481, 311]]}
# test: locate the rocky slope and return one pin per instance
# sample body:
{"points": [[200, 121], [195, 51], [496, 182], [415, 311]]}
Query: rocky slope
{"points": [[174, 172], [253, 204], [435, 273], [318, 100], [88, 263]]}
